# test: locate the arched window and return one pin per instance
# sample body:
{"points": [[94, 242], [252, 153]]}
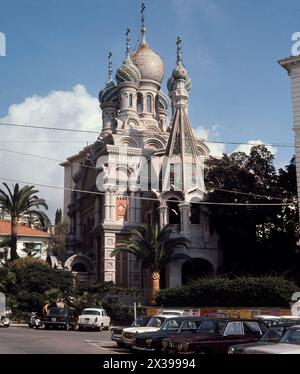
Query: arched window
{"points": [[174, 212], [149, 104], [139, 103], [130, 100]]}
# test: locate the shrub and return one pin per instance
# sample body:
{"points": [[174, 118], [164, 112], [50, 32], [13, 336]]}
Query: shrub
{"points": [[246, 291]]}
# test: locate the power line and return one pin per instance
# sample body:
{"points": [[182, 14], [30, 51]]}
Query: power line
{"points": [[280, 145], [94, 167], [44, 141], [291, 203], [48, 128]]}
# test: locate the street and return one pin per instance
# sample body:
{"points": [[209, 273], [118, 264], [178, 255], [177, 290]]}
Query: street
{"points": [[22, 340]]}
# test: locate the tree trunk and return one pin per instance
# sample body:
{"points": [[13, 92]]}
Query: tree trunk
{"points": [[155, 278], [14, 238]]}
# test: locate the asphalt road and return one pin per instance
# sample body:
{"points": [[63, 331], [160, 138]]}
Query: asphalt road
{"points": [[23, 340]]}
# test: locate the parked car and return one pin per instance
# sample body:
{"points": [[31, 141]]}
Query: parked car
{"points": [[152, 341], [116, 332], [93, 318], [215, 336], [289, 344], [154, 324], [272, 336], [60, 318], [170, 312]]}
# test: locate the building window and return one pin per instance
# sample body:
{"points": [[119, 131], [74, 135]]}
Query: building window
{"points": [[195, 217], [149, 104], [139, 103], [174, 212], [130, 101]]}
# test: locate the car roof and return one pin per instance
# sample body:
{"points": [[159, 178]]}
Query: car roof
{"points": [[93, 309], [294, 327]]}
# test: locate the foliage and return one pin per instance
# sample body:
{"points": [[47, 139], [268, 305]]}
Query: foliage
{"points": [[255, 239], [22, 203], [153, 247], [29, 283], [243, 291]]}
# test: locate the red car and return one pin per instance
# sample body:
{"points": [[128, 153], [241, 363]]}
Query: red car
{"points": [[215, 336]]}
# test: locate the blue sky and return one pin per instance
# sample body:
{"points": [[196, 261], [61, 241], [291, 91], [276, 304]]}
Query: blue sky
{"points": [[230, 47]]}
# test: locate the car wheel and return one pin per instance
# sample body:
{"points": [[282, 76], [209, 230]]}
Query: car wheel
{"points": [[47, 327], [100, 327], [121, 344]]}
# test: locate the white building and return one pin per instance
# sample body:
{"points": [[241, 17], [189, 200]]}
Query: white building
{"points": [[37, 241], [144, 168]]}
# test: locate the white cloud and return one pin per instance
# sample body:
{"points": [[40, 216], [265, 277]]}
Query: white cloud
{"points": [[212, 134], [247, 147], [74, 109]]}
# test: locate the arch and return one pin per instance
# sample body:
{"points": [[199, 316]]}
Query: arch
{"points": [[130, 100], [196, 268], [153, 143], [139, 103], [149, 103], [129, 141], [173, 211], [80, 259], [79, 267]]}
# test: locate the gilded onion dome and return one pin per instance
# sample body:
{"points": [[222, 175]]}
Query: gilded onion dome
{"points": [[128, 72]]}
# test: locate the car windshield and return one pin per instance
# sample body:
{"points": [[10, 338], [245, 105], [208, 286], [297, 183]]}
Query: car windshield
{"points": [[273, 334], [91, 313], [140, 321], [291, 336], [211, 326], [156, 322], [57, 311]]}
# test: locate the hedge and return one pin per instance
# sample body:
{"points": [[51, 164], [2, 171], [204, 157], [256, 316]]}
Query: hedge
{"points": [[246, 291]]}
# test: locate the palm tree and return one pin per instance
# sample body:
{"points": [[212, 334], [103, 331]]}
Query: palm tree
{"points": [[21, 203], [155, 249]]}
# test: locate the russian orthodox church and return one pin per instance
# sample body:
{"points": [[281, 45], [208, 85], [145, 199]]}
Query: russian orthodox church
{"points": [[145, 167]]}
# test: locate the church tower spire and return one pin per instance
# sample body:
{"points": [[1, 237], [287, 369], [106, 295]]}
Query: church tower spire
{"points": [[183, 165], [143, 28]]}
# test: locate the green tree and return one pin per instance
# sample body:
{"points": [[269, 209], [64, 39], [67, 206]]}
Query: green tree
{"points": [[155, 248], [22, 203], [58, 216], [255, 239]]}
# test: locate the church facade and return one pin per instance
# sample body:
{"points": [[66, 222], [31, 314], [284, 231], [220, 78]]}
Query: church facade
{"points": [[146, 167]]}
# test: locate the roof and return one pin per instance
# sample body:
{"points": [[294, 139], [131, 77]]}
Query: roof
{"points": [[21, 230]]}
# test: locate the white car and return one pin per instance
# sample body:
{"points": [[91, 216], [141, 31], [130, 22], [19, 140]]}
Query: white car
{"points": [[93, 318], [153, 325], [289, 344]]}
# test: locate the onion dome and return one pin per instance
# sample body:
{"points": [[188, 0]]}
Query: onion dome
{"points": [[180, 72], [149, 63], [163, 101], [128, 72], [106, 95]]}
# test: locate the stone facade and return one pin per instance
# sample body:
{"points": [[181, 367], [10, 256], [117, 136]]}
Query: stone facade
{"points": [[143, 168]]}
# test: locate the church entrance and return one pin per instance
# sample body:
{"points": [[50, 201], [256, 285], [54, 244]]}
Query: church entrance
{"points": [[197, 268]]}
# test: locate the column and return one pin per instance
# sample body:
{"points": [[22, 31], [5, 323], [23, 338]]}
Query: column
{"points": [[78, 225], [184, 217], [163, 216], [106, 206], [109, 263]]}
